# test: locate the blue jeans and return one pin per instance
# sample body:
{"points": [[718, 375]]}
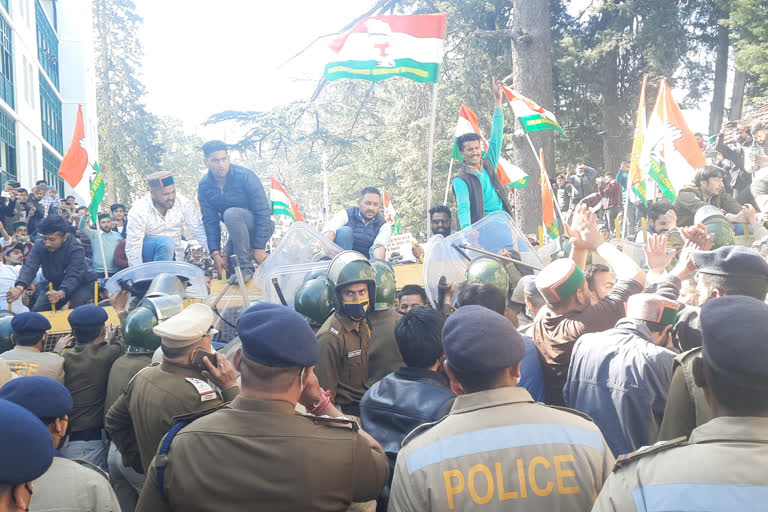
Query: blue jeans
{"points": [[95, 451], [158, 248], [345, 239]]}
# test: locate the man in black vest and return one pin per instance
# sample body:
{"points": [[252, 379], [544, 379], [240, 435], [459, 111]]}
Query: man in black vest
{"points": [[361, 228]]}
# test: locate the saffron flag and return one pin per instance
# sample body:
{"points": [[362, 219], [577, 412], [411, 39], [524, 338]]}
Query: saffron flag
{"points": [[548, 215], [509, 175], [380, 47], [390, 214], [636, 181], [531, 115], [281, 203], [86, 180], [670, 152]]}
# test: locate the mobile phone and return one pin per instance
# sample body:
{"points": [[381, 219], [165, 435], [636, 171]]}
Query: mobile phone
{"points": [[199, 356]]}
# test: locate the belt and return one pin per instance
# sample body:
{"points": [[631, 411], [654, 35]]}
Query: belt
{"points": [[92, 434]]}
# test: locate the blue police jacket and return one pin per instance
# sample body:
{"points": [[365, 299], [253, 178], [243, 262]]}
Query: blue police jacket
{"points": [[242, 189], [620, 379]]}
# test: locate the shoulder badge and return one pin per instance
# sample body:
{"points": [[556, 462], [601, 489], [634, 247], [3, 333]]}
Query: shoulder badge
{"points": [[341, 421], [572, 411], [420, 429], [204, 389], [333, 331], [92, 466], [626, 459]]}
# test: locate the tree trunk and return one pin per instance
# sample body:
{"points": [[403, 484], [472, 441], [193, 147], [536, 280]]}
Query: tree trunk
{"points": [[612, 147], [532, 77], [737, 95], [721, 77]]}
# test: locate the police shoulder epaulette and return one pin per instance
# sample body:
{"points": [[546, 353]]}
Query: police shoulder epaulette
{"points": [[687, 355], [340, 421], [192, 416], [92, 466], [626, 459], [420, 430], [572, 411]]}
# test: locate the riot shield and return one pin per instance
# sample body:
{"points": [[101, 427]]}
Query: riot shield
{"points": [[142, 276], [449, 257]]}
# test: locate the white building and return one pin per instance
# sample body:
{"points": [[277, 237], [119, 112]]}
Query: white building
{"points": [[46, 70]]}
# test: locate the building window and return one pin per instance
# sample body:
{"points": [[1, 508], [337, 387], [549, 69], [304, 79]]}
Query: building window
{"points": [[34, 162], [7, 147], [31, 86], [6, 62], [50, 113], [51, 165], [26, 79], [47, 45], [5, 4]]}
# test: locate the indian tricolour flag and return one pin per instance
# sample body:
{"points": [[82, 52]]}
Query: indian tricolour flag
{"points": [[548, 215], [636, 181], [282, 204], [531, 115], [86, 179], [380, 47], [390, 214], [509, 175]]}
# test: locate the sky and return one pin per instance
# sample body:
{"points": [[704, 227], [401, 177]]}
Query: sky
{"points": [[203, 57]]}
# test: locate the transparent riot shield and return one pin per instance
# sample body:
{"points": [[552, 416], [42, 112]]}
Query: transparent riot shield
{"points": [[449, 257], [632, 249], [142, 275]]}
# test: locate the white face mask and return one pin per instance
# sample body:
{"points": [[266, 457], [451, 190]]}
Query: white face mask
{"points": [[301, 379]]}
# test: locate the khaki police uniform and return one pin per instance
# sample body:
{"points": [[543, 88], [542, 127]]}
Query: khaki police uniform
{"points": [[498, 450], [383, 355], [283, 460], [686, 407], [25, 361], [343, 364], [141, 416], [71, 485], [721, 467]]}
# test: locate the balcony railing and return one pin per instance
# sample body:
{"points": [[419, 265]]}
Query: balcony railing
{"points": [[47, 45]]}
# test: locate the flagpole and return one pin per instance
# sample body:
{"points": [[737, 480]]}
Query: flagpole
{"points": [[430, 153], [448, 183], [101, 245]]}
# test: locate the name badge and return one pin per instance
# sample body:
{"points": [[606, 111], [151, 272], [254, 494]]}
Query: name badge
{"points": [[333, 331], [354, 353], [203, 388]]}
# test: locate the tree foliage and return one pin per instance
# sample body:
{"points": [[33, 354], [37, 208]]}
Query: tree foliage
{"points": [[748, 22]]}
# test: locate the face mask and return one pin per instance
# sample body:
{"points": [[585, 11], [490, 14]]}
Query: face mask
{"points": [[301, 379], [356, 310]]}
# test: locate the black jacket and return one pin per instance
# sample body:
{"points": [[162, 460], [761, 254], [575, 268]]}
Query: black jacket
{"points": [[66, 267]]}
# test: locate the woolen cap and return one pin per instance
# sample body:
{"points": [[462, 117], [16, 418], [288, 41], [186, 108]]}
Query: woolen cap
{"points": [[42, 396], [160, 179], [277, 336], [731, 260], [187, 327], [559, 280], [25, 444], [476, 339], [733, 338], [652, 308]]}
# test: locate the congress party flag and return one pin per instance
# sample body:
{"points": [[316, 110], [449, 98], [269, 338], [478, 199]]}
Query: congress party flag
{"points": [[636, 181], [380, 47], [670, 152], [86, 179], [531, 115], [390, 214], [509, 175], [549, 217], [282, 204]]}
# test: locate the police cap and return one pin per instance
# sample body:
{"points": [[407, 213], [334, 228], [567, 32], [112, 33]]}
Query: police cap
{"points": [[731, 260], [277, 336], [26, 445], [477, 340], [88, 315], [186, 328], [30, 323], [42, 396]]}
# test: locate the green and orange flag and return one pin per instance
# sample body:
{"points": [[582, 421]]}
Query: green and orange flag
{"points": [[636, 181], [548, 215]]}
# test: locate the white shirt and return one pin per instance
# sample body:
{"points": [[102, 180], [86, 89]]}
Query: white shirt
{"points": [[341, 218], [144, 220], [8, 276]]}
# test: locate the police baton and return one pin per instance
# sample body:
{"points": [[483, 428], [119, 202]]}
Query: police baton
{"points": [[499, 256]]}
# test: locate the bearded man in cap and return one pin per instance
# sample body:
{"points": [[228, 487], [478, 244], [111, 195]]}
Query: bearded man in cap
{"points": [[620, 376], [724, 463], [284, 460], [70, 485], [707, 188], [570, 312], [495, 437], [103, 258], [86, 370], [726, 271], [156, 220], [142, 415], [27, 454]]}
